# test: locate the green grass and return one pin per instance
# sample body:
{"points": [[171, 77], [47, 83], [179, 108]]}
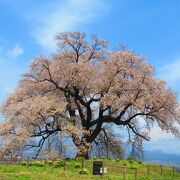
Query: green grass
{"points": [[115, 168]]}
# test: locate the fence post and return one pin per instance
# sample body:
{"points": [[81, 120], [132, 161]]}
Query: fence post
{"points": [[52, 169], [173, 171], [148, 172], [28, 161], [82, 165], [136, 172], [64, 167], [161, 167], [124, 173], [45, 164]]}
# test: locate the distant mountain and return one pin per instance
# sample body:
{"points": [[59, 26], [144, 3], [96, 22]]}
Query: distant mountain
{"points": [[159, 157]]}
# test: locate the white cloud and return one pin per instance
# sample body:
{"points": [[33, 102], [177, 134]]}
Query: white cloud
{"points": [[8, 90], [171, 72], [66, 17], [16, 51], [163, 141], [157, 134]]}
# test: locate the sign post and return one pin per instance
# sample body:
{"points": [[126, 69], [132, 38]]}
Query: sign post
{"points": [[97, 165]]}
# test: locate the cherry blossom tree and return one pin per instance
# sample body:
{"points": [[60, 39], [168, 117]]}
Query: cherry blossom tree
{"points": [[81, 88]]}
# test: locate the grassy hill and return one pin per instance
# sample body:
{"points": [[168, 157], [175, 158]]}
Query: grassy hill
{"points": [[116, 169]]}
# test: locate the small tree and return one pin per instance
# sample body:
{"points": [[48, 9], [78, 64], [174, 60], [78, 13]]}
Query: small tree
{"points": [[81, 88]]}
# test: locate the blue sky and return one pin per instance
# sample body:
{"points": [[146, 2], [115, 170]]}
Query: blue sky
{"points": [[151, 28]]}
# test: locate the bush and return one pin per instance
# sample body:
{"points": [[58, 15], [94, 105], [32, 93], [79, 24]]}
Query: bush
{"points": [[83, 171], [132, 167], [24, 163], [130, 159], [94, 158], [139, 162], [33, 163], [79, 159], [103, 157], [50, 162], [58, 163], [36, 163], [77, 166]]}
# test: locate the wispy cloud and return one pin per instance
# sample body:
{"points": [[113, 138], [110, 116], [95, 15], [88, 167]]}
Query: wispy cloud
{"points": [[16, 51], [67, 17], [157, 134], [9, 89], [171, 72], [159, 141]]}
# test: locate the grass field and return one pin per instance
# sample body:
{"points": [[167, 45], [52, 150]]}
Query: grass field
{"points": [[117, 169]]}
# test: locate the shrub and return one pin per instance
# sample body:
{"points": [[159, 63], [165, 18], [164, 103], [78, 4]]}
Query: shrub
{"points": [[139, 162], [50, 162], [24, 163], [83, 171], [79, 159], [130, 159], [94, 157], [132, 167], [58, 159], [77, 166], [36, 163], [33, 163], [103, 157], [58, 163]]}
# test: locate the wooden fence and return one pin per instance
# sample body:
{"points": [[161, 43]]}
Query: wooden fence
{"points": [[124, 171]]}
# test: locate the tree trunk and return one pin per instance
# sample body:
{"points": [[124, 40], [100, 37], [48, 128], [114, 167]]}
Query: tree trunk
{"points": [[82, 147], [84, 155], [82, 151]]}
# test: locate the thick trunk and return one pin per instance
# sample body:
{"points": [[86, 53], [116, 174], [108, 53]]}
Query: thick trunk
{"points": [[84, 154], [82, 146], [82, 151]]}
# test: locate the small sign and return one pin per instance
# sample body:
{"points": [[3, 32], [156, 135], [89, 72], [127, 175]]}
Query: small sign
{"points": [[103, 170], [97, 165]]}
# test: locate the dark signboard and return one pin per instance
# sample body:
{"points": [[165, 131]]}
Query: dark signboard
{"points": [[97, 165]]}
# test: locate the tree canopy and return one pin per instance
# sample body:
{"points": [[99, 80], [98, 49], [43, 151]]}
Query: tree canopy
{"points": [[81, 88]]}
